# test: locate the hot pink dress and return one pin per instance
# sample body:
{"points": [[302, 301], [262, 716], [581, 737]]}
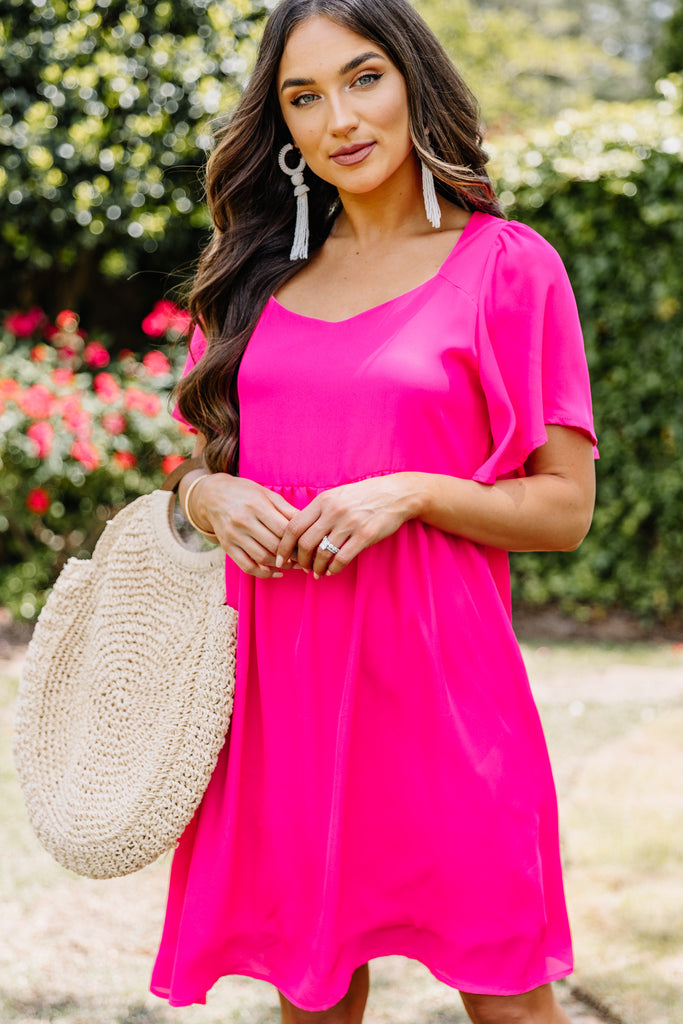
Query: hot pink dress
{"points": [[386, 787]]}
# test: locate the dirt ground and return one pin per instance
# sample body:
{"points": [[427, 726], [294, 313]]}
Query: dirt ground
{"points": [[77, 951]]}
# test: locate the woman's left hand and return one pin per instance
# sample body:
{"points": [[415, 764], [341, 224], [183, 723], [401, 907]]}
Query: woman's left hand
{"points": [[353, 517]]}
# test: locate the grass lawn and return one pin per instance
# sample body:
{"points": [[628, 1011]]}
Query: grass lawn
{"points": [[77, 951]]}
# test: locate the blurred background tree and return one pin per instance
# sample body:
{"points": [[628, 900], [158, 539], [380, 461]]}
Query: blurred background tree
{"points": [[104, 113], [668, 52]]}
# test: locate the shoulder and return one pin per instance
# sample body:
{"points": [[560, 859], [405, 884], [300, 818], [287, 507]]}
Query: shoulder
{"points": [[498, 255]]}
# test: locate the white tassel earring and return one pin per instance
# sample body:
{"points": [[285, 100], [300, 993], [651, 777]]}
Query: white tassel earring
{"points": [[432, 208], [301, 190]]}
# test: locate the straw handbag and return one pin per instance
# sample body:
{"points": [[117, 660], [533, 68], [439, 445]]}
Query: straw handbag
{"points": [[126, 693]]}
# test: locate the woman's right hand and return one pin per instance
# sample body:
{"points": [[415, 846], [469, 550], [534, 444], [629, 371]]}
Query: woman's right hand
{"points": [[247, 518]]}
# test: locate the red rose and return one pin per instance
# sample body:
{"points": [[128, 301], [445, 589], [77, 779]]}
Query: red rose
{"points": [[166, 316], [39, 353], [38, 402], [38, 501], [95, 355], [156, 364], [42, 435], [114, 422], [106, 388], [124, 460], [85, 453], [22, 325], [67, 320], [9, 388], [170, 462]]}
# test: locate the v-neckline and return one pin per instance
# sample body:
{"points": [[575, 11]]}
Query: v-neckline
{"points": [[467, 230]]}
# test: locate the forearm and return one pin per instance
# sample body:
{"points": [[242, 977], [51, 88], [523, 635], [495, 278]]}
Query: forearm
{"points": [[544, 512]]}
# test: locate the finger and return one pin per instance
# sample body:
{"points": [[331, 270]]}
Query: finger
{"points": [[262, 536], [291, 538], [348, 551], [282, 505], [257, 553], [248, 565], [323, 558]]}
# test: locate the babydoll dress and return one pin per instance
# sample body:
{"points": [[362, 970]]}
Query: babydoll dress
{"points": [[385, 788]]}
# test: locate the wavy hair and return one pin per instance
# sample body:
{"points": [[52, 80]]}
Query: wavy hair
{"points": [[250, 200]]}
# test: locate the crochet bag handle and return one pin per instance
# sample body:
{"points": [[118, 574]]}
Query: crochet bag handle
{"points": [[174, 478]]}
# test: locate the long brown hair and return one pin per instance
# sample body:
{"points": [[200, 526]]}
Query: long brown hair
{"points": [[251, 203]]}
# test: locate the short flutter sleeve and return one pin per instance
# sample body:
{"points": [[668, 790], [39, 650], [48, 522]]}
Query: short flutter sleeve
{"points": [[532, 362], [197, 348]]}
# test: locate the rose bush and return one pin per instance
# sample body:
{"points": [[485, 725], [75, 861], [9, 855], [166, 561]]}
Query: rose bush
{"points": [[81, 434]]}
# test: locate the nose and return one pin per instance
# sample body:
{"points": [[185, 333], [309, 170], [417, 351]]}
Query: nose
{"points": [[342, 117]]}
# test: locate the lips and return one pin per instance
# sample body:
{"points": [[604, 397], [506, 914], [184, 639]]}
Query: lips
{"points": [[353, 154]]}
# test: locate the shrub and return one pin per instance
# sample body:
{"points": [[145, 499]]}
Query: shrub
{"points": [[80, 435], [104, 107], [606, 188]]}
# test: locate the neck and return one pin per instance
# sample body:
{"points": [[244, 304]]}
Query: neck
{"points": [[395, 208]]}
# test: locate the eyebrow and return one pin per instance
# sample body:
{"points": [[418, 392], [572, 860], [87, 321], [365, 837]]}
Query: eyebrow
{"points": [[351, 65]]}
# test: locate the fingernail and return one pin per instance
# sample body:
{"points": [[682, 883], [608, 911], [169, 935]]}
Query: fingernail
{"points": [[316, 576], [279, 561], [277, 575]]}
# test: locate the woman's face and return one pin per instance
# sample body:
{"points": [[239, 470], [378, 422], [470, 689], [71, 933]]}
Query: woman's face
{"points": [[345, 104]]}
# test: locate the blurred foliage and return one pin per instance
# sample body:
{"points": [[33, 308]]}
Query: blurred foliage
{"points": [[629, 29], [668, 56], [81, 434], [104, 114], [606, 188], [522, 66]]}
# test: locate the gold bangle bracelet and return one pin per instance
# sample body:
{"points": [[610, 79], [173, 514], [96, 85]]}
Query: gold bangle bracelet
{"points": [[188, 514]]}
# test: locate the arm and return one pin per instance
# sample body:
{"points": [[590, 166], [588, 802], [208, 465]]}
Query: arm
{"points": [[549, 509]]}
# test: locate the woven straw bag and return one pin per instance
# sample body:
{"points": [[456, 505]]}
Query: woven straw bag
{"points": [[126, 694]]}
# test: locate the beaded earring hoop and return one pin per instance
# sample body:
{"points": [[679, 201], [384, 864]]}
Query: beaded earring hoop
{"points": [[301, 190]]}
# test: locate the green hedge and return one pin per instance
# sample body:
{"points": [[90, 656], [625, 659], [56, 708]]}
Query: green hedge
{"points": [[606, 188], [105, 108]]}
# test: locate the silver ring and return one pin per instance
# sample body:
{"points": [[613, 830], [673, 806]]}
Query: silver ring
{"points": [[327, 545]]}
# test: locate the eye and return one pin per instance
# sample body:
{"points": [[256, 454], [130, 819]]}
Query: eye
{"points": [[367, 78], [304, 100]]}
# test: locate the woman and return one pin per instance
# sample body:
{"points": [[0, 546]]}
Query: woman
{"points": [[412, 402]]}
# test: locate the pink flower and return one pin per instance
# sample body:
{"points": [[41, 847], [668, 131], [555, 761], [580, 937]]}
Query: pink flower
{"points": [[23, 325], [75, 418], [148, 405], [170, 462], [62, 376], [39, 353], [38, 501], [95, 355], [38, 402], [106, 388], [124, 460], [67, 320], [166, 316], [9, 388], [85, 453], [114, 422], [42, 435], [156, 364]]}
